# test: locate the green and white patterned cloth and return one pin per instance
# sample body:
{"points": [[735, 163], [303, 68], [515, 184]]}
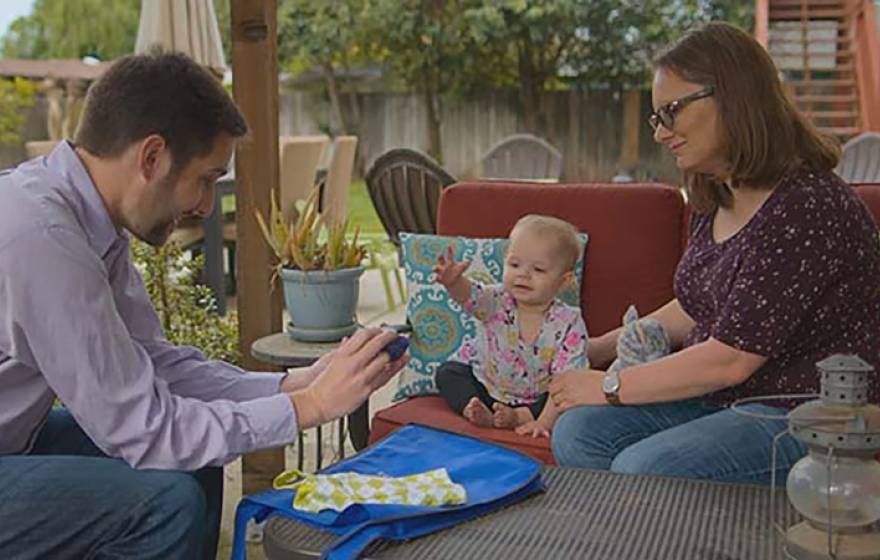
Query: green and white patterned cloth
{"points": [[318, 492]]}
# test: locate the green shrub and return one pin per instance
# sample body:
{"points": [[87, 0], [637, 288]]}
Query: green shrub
{"points": [[16, 96], [187, 310]]}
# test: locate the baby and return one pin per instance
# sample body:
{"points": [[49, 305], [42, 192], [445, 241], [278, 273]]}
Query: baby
{"points": [[530, 334]]}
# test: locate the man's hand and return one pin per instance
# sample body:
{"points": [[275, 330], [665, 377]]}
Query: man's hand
{"points": [[356, 369], [577, 388], [300, 378]]}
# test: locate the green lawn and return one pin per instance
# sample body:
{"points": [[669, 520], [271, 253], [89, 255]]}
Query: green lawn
{"points": [[360, 208]]}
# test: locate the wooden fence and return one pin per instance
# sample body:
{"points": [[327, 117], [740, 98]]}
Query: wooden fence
{"points": [[587, 127]]}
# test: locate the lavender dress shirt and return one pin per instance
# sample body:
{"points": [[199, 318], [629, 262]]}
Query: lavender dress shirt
{"points": [[76, 323]]}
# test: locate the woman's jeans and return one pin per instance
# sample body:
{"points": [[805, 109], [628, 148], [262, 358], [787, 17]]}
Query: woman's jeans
{"points": [[690, 439], [66, 499]]}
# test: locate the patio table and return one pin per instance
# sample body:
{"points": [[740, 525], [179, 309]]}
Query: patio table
{"points": [[591, 514], [282, 350]]}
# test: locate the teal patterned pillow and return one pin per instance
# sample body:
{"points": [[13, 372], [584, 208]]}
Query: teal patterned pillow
{"points": [[439, 323]]}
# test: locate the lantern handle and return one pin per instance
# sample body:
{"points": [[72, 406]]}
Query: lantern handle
{"points": [[735, 405], [779, 529]]}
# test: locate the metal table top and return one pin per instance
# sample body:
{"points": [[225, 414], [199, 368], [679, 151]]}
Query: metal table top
{"points": [[591, 514], [282, 350]]}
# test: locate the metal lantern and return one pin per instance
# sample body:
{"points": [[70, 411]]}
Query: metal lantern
{"points": [[836, 487]]}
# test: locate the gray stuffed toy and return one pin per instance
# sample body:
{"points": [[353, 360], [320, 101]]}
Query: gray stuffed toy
{"points": [[640, 341]]}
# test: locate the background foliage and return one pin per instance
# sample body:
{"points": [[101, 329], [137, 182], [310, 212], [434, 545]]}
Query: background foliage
{"points": [[460, 47], [16, 95], [105, 29], [186, 309]]}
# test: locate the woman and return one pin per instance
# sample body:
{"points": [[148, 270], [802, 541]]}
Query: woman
{"points": [[781, 270]]}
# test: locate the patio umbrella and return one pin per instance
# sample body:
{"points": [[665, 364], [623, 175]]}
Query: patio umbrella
{"points": [[187, 26]]}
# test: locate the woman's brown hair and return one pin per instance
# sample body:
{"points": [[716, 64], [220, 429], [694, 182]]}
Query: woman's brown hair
{"points": [[765, 134]]}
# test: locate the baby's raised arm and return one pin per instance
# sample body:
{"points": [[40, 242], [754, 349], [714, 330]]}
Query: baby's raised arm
{"points": [[451, 275]]}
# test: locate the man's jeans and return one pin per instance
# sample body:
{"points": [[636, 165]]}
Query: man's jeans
{"points": [[690, 439], [66, 499]]}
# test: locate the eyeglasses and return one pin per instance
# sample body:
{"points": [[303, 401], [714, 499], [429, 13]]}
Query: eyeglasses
{"points": [[665, 115]]}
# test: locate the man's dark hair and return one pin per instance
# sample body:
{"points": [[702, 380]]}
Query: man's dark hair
{"points": [[167, 94]]}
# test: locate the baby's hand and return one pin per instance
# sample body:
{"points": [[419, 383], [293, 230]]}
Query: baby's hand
{"points": [[534, 428], [447, 271]]}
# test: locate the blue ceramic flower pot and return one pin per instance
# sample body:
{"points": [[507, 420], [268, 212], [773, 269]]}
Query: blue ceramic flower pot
{"points": [[321, 303]]}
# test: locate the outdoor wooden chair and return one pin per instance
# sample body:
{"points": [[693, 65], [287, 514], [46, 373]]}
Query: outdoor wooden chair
{"points": [[334, 192], [522, 156], [300, 156], [36, 148], [405, 187], [860, 162]]}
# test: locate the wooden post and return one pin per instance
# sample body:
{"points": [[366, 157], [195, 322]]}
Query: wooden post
{"points": [[255, 87]]}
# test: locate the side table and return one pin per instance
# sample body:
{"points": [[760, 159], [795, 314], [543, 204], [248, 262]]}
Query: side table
{"points": [[282, 350]]}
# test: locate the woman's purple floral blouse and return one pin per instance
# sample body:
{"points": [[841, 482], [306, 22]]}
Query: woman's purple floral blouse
{"points": [[799, 282]]}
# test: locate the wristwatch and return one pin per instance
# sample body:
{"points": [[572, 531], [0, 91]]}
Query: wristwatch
{"points": [[611, 387]]}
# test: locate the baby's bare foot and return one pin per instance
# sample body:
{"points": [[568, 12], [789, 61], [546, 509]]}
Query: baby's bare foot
{"points": [[506, 417], [477, 413]]}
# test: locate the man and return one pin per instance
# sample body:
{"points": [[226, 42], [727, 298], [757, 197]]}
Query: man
{"points": [[131, 466]]}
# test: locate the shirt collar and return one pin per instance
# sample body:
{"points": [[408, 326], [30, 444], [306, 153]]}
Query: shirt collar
{"points": [[92, 212]]}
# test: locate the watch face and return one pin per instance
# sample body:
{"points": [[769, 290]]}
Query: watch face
{"points": [[611, 383]]}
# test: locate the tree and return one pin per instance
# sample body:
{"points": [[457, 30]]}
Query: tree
{"points": [[105, 29], [738, 12], [422, 42], [327, 36], [528, 41], [539, 45], [629, 35]]}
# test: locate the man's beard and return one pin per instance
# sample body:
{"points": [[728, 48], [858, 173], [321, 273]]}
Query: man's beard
{"points": [[159, 234]]}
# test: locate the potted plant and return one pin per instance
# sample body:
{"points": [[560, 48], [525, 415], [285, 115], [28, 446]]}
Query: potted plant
{"points": [[320, 268]]}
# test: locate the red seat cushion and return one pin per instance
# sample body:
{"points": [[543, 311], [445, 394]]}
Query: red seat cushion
{"points": [[870, 194], [433, 411]]}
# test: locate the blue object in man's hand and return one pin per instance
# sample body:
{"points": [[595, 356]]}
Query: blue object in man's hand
{"points": [[397, 347]]}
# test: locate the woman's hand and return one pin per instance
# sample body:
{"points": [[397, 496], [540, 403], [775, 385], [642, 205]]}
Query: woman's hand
{"points": [[535, 428], [577, 388]]}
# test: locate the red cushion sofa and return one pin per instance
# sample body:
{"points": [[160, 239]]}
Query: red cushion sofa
{"points": [[637, 234]]}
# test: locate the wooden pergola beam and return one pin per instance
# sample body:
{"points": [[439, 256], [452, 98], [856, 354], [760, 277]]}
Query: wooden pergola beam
{"points": [[255, 88]]}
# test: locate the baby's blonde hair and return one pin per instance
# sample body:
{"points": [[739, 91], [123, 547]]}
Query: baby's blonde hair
{"points": [[565, 234]]}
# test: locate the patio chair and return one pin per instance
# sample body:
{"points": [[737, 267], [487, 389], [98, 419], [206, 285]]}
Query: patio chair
{"points": [[299, 162], [405, 187], [860, 162], [334, 193], [522, 156], [36, 148]]}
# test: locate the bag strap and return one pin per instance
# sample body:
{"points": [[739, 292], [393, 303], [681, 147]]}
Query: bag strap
{"points": [[246, 510]]}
